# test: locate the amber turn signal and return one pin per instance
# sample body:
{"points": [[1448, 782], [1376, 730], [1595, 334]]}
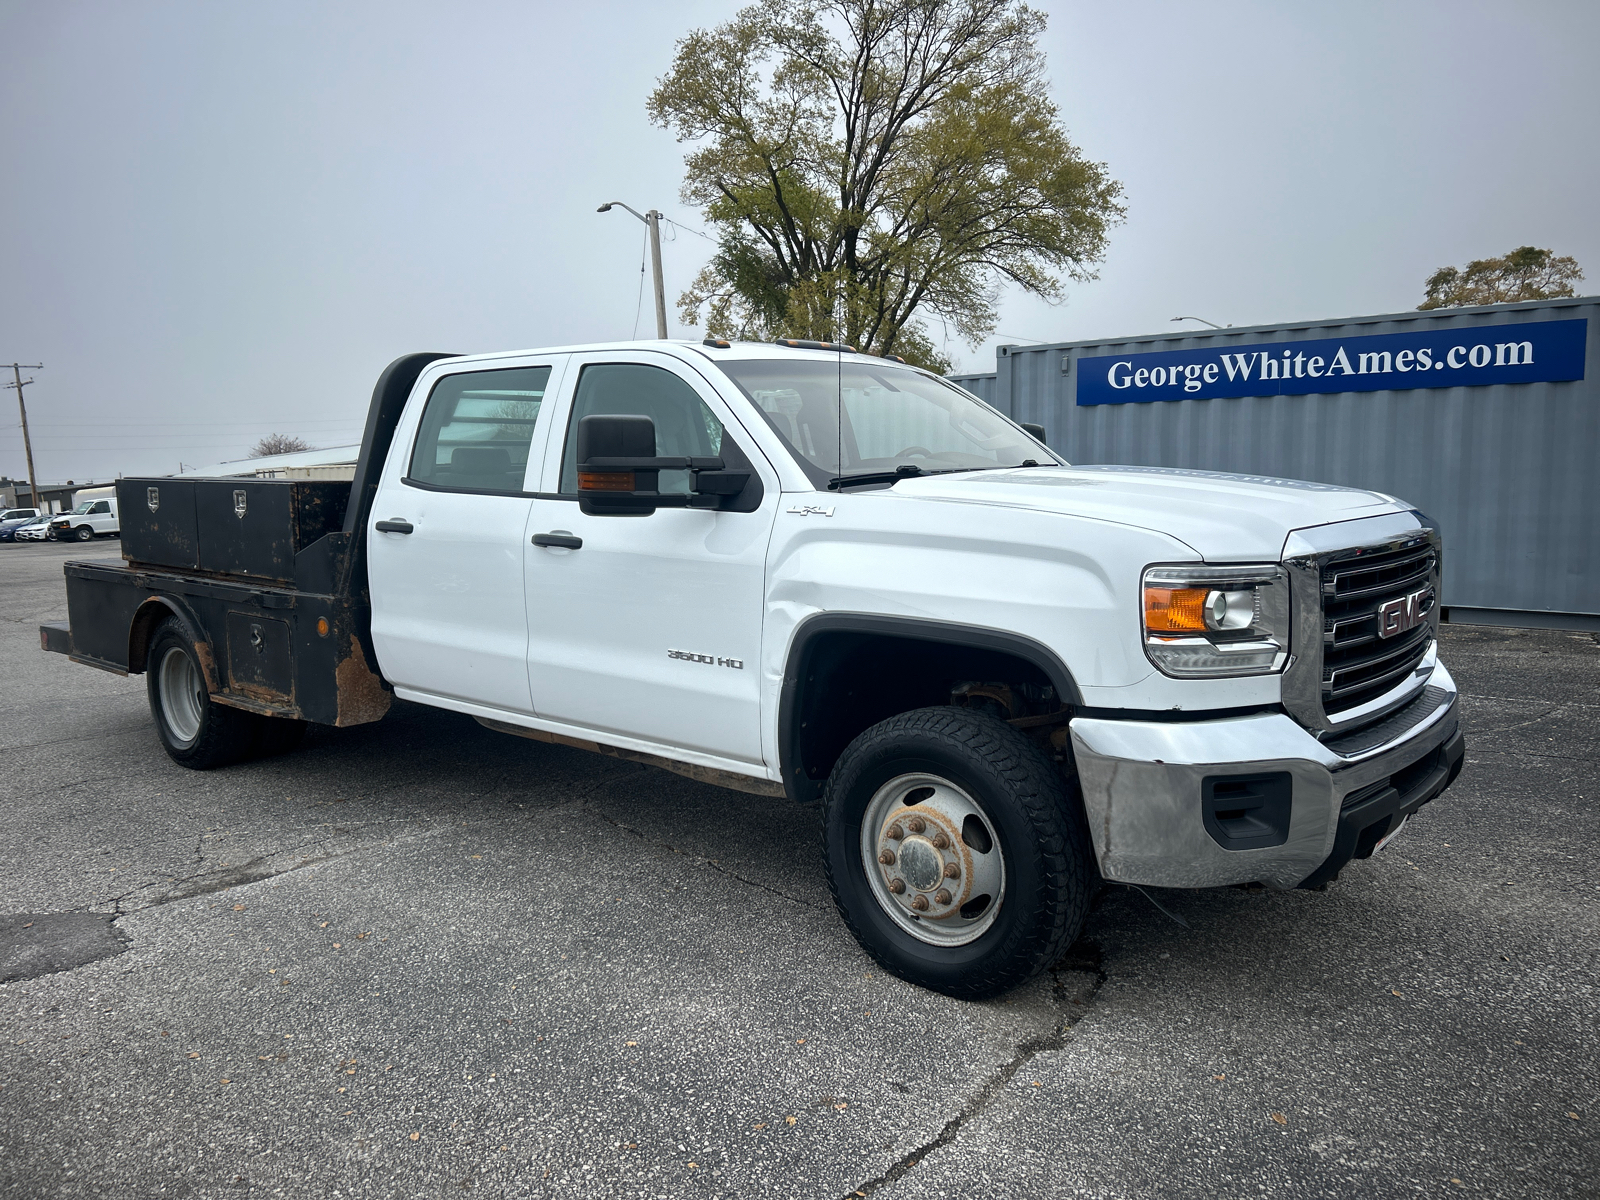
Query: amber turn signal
{"points": [[1175, 610], [605, 481]]}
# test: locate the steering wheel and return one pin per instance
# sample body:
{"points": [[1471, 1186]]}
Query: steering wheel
{"points": [[922, 451]]}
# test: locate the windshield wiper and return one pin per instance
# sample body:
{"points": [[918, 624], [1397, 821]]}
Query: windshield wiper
{"points": [[902, 472]]}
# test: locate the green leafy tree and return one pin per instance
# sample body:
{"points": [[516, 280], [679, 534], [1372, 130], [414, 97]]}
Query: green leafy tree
{"points": [[869, 164], [1527, 273]]}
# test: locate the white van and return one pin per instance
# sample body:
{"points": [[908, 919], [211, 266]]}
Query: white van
{"points": [[94, 514]]}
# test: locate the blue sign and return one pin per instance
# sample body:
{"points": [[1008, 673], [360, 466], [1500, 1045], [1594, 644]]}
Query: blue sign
{"points": [[1457, 356]]}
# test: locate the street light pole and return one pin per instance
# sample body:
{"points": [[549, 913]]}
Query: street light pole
{"points": [[27, 442], [1202, 321], [652, 220]]}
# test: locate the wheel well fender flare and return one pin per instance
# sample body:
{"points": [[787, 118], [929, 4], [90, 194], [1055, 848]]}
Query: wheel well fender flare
{"points": [[148, 617], [807, 633]]}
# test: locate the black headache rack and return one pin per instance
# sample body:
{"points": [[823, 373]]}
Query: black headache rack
{"points": [[267, 577]]}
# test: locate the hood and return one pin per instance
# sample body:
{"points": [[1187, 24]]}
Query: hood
{"points": [[1225, 518]]}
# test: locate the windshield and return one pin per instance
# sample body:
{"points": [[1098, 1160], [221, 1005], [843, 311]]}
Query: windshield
{"points": [[84, 507], [849, 417]]}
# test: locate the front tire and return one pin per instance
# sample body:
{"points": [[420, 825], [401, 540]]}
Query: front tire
{"points": [[84, 533], [195, 731], [957, 853]]}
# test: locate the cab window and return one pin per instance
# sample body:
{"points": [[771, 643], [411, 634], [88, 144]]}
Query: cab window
{"points": [[476, 430], [685, 426]]}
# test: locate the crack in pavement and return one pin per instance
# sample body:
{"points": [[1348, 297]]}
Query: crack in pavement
{"points": [[219, 880], [709, 862], [253, 870], [1082, 956]]}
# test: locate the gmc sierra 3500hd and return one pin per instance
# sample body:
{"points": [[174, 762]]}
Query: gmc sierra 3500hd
{"points": [[796, 569]]}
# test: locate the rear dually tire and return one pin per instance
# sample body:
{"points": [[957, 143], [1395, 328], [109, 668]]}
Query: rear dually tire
{"points": [[195, 731]]}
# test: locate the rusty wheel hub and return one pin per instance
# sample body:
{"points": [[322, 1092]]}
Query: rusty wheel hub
{"points": [[933, 859]]}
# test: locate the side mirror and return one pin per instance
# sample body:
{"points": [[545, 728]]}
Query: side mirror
{"points": [[619, 470], [613, 479], [1036, 431]]}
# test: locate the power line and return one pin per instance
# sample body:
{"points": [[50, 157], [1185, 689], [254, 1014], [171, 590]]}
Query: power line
{"points": [[638, 305], [214, 424], [681, 225]]}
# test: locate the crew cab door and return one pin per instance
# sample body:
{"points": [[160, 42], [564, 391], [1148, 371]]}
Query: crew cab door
{"points": [[651, 628], [445, 538]]}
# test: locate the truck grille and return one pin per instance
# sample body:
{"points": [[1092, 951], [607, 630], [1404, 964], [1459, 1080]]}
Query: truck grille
{"points": [[1357, 664]]}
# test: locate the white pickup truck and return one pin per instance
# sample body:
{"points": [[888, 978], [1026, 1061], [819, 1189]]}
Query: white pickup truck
{"points": [[793, 569]]}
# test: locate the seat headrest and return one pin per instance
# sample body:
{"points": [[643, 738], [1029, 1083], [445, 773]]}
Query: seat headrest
{"points": [[481, 460]]}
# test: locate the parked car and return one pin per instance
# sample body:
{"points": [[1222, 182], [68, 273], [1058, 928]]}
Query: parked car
{"points": [[36, 530], [91, 519], [13, 519], [798, 570]]}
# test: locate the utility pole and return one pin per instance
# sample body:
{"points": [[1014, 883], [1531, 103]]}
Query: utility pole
{"points": [[652, 220], [27, 443]]}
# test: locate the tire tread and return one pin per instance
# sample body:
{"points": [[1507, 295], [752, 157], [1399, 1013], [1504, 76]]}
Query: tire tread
{"points": [[1050, 803]]}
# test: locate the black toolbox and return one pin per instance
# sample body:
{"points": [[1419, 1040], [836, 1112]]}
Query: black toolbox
{"points": [[252, 528]]}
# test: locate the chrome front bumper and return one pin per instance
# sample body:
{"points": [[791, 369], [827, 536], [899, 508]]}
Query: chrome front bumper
{"points": [[1142, 786]]}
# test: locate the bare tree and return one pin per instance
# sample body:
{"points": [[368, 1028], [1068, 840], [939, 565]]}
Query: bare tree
{"points": [[278, 443]]}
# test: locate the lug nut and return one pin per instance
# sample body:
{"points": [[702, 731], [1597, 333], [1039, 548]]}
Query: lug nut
{"points": [[951, 871], [941, 897], [897, 886], [916, 824], [896, 833], [886, 857], [919, 902], [941, 841]]}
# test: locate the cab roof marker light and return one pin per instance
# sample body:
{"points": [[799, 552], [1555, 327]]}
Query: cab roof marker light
{"points": [[800, 344], [719, 343]]}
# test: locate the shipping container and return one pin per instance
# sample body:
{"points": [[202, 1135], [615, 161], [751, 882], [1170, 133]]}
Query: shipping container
{"points": [[1482, 417]]}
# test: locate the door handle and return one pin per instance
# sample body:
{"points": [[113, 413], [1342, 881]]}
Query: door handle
{"points": [[560, 538], [396, 525]]}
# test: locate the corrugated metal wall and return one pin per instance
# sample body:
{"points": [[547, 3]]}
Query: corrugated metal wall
{"points": [[1510, 472], [981, 386]]}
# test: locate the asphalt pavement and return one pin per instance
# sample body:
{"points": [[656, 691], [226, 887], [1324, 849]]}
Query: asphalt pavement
{"points": [[420, 958]]}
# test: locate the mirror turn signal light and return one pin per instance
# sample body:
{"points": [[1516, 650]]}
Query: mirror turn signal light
{"points": [[1175, 610], [605, 481]]}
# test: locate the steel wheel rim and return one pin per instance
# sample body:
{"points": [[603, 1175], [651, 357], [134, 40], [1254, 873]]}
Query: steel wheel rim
{"points": [[182, 695], [922, 867]]}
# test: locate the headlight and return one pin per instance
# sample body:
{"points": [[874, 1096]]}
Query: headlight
{"points": [[1212, 621]]}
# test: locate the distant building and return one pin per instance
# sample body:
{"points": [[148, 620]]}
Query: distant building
{"points": [[15, 493], [333, 462]]}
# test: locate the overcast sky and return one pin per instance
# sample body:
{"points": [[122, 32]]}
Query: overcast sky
{"points": [[224, 219]]}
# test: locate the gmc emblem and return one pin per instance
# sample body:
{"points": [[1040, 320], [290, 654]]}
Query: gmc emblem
{"points": [[1407, 612]]}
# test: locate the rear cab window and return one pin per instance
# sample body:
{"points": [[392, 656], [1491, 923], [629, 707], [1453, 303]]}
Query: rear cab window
{"points": [[477, 429]]}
